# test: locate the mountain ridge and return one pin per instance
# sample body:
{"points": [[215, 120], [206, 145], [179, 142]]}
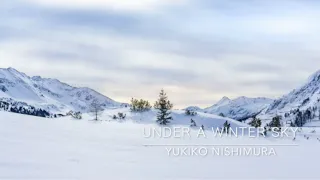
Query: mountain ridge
{"points": [[304, 99], [48, 93], [54, 96], [240, 108]]}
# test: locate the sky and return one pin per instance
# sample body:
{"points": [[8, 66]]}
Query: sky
{"points": [[196, 50]]}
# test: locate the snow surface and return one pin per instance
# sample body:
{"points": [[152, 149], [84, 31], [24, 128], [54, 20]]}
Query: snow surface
{"points": [[49, 94], [64, 148]]}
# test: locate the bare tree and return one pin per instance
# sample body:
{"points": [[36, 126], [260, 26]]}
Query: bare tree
{"points": [[96, 109]]}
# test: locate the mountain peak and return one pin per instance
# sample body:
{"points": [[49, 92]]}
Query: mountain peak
{"points": [[13, 70], [225, 100], [239, 108], [314, 77]]}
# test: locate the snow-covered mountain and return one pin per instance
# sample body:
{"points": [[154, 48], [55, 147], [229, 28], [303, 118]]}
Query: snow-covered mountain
{"points": [[223, 102], [49, 94], [302, 98], [240, 108]]}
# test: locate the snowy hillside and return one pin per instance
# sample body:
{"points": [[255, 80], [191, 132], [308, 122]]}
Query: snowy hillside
{"points": [[240, 108], [39, 148], [49, 94], [179, 118], [302, 104], [301, 98]]}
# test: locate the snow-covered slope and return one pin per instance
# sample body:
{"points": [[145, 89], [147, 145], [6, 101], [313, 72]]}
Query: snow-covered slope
{"points": [[240, 108], [306, 97], [179, 118], [49, 94], [38, 148]]}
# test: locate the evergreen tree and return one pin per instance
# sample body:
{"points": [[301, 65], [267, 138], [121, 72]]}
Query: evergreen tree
{"points": [[163, 105], [275, 123], [226, 127], [299, 121], [256, 122], [265, 131]]}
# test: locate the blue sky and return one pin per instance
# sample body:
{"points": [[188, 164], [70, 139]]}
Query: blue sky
{"points": [[197, 50]]}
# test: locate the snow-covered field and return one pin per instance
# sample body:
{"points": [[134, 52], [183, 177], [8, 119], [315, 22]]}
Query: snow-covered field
{"points": [[39, 148]]}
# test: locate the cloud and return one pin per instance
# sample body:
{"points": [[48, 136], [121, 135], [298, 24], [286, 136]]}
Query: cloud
{"points": [[198, 51], [136, 5]]}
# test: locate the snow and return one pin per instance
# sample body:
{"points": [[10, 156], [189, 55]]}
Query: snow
{"points": [[49, 94], [64, 148]]}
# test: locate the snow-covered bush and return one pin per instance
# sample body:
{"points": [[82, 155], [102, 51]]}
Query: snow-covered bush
{"points": [[193, 123], [120, 116], [189, 112], [75, 115]]}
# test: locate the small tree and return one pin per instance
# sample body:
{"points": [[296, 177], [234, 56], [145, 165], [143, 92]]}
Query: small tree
{"points": [[265, 131], [193, 123], [256, 122], [226, 127], [96, 109], [139, 105], [275, 123], [222, 115], [163, 105]]}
